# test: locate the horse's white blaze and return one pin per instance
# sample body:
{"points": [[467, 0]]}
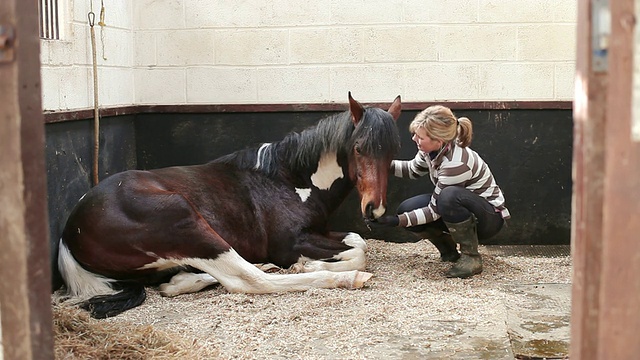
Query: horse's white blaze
{"points": [[81, 284], [186, 282], [328, 171], [260, 155], [379, 211], [303, 193]]}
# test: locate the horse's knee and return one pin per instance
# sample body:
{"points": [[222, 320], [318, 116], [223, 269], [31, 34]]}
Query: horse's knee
{"points": [[355, 240], [356, 257], [352, 259]]}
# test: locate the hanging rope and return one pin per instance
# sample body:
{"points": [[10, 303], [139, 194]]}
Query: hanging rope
{"points": [[102, 25], [96, 114]]}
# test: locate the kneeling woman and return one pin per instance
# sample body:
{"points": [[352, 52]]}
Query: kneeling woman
{"points": [[467, 203]]}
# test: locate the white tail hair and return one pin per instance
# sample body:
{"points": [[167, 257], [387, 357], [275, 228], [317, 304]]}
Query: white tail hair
{"points": [[80, 283]]}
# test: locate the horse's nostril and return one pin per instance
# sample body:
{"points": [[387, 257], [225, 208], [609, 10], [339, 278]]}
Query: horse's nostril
{"points": [[368, 211]]}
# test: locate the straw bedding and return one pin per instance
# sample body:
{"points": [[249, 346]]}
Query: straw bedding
{"points": [[408, 290]]}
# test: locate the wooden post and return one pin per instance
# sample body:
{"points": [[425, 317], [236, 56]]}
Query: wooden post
{"points": [[619, 313], [605, 319], [25, 291], [589, 114]]}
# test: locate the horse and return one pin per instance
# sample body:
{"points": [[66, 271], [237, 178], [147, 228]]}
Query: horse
{"points": [[227, 221]]}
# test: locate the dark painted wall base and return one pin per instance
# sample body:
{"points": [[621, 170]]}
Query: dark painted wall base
{"points": [[529, 152]]}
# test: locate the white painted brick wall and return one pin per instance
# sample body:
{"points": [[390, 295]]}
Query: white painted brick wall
{"points": [[227, 84], [256, 47], [67, 75], [184, 48], [159, 86], [292, 51]]}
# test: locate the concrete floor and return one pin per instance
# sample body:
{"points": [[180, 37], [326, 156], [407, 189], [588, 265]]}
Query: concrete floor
{"points": [[532, 323], [537, 319]]}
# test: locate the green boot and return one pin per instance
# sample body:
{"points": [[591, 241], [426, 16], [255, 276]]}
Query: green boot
{"points": [[443, 242], [465, 234]]}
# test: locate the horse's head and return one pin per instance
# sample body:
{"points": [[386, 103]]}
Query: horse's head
{"points": [[374, 143]]}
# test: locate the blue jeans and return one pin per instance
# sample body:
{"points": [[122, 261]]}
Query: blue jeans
{"points": [[456, 204]]}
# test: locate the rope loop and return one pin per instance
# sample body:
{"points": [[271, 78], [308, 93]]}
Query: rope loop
{"points": [[92, 18]]}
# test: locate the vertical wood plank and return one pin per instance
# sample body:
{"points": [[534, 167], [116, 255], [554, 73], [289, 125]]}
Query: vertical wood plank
{"points": [[588, 161], [25, 302], [14, 308], [620, 283]]}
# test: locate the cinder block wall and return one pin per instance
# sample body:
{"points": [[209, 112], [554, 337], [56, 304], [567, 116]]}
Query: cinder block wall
{"points": [[291, 51], [67, 81]]}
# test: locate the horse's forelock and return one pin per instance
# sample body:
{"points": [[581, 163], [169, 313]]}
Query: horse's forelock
{"points": [[377, 134]]}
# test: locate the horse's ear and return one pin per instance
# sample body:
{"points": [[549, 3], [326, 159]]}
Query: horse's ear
{"points": [[395, 108], [356, 110]]}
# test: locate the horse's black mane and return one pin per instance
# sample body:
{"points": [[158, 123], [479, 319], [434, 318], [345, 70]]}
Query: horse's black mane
{"points": [[376, 135]]}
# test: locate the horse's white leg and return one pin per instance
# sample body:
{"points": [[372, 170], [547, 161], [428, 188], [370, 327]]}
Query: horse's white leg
{"points": [[238, 275], [185, 283], [352, 259], [188, 282], [355, 240], [268, 267]]}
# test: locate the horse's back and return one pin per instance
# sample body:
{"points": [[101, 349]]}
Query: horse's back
{"points": [[135, 218]]}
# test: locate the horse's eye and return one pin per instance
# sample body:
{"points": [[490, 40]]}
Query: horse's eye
{"points": [[357, 149]]}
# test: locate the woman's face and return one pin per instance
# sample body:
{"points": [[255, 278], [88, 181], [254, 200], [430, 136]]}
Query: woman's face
{"points": [[424, 142]]}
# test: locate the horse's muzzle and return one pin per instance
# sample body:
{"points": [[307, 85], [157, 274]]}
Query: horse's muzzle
{"points": [[372, 213]]}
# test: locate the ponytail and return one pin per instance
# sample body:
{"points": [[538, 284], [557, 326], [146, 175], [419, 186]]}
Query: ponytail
{"points": [[465, 132]]}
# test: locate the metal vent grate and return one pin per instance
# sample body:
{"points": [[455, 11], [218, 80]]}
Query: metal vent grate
{"points": [[548, 251], [49, 27]]}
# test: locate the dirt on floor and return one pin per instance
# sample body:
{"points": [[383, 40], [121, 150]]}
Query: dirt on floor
{"points": [[408, 310]]}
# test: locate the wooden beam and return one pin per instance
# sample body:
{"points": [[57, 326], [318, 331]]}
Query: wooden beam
{"points": [[83, 114], [619, 310], [25, 292], [588, 161], [605, 227]]}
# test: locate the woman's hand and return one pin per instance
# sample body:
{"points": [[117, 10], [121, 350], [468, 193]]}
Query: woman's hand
{"points": [[383, 222]]}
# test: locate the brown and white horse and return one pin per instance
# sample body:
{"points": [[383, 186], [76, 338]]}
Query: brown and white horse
{"points": [[204, 224]]}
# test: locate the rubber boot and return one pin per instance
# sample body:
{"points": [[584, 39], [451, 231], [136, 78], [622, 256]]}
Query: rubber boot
{"points": [[443, 242], [470, 262]]}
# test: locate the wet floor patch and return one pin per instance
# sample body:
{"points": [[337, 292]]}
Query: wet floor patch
{"points": [[538, 319], [443, 339]]}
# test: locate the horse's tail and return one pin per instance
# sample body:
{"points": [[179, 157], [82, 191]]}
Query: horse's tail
{"points": [[101, 296], [56, 277]]}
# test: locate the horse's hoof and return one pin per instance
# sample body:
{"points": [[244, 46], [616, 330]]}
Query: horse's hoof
{"points": [[450, 256], [168, 290], [361, 278], [296, 268]]}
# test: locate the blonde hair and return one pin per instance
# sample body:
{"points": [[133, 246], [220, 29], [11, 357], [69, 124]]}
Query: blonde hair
{"points": [[441, 124]]}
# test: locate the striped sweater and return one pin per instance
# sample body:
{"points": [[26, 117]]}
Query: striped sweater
{"points": [[453, 166]]}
